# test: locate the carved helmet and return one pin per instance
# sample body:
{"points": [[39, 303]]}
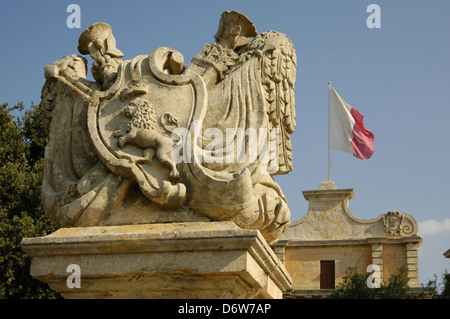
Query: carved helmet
{"points": [[101, 33], [234, 19]]}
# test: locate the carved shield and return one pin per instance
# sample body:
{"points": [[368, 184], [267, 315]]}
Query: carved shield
{"points": [[131, 123]]}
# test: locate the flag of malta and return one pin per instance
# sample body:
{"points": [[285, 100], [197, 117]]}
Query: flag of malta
{"points": [[347, 131]]}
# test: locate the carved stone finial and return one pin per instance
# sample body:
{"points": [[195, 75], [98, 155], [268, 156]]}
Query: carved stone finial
{"points": [[327, 185]]}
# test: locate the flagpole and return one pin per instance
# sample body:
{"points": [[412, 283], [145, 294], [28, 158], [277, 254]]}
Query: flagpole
{"points": [[329, 132]]}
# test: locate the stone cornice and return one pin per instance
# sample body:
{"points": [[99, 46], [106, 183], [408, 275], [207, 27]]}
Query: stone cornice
{"points": [[329, 219]]}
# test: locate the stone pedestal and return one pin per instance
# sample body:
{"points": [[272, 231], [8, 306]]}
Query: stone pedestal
{"points": [[183, 260]]}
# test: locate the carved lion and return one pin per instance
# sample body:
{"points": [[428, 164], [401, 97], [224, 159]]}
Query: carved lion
{"points": [[143, 131]]}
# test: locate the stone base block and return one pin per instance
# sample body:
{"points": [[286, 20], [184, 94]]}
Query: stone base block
{"points": [[206, 260]]}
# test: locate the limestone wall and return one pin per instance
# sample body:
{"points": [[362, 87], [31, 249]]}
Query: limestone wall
{"points": [[303, 263]]}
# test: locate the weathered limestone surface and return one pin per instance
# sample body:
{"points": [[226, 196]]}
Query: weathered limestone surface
{"points": [[177, 260], [152, 137]]}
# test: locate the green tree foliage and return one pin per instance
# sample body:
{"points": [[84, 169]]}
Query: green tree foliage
{"points": [[445, 294], [22, 143], [354, 286], [396, 286]]}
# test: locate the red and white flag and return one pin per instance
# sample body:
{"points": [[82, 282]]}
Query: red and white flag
{"points": [[347, 131]]}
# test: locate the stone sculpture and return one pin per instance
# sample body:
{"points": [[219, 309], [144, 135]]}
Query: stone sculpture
{"points": [[153, 140]]}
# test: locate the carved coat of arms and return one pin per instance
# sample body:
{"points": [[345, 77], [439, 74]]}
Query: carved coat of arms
{"points": [[155, 140]]}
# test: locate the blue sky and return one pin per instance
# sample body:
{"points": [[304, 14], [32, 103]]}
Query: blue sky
{"points": [[397, 76]]}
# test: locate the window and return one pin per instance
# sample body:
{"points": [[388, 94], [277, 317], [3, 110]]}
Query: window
{"points": [[327, 277]]}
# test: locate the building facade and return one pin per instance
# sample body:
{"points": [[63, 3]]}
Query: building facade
{"points": [[318, 249]]}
